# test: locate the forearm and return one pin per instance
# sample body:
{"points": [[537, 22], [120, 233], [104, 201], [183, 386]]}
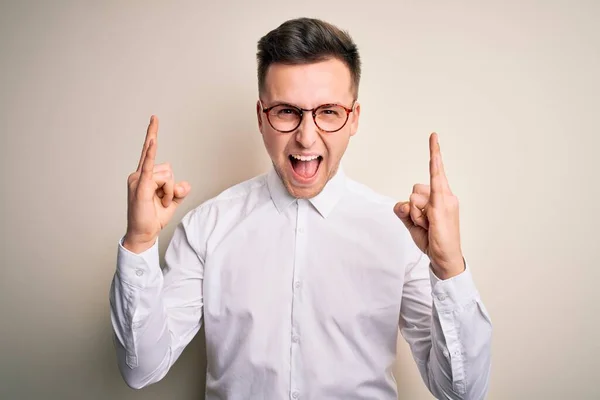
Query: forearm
{"points": [[141, 334], [155, 315], [139, 320], [459, 362]]}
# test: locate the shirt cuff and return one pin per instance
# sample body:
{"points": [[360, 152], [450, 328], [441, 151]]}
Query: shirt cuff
{"points": [[454, 292], [139, 270]]}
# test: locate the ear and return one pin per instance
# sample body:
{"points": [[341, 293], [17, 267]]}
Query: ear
{"points": [[259, 115], [354, 117]]}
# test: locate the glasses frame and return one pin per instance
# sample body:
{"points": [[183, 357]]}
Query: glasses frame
{"points": [[301, 111]]}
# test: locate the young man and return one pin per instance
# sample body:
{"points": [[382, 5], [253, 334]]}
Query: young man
{"points": [[301, 276]]}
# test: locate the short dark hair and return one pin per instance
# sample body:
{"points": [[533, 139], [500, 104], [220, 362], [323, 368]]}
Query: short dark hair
{"points": [[305, 41]]}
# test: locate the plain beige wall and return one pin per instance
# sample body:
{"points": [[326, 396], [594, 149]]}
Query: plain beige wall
{"points": [[513, 89]]}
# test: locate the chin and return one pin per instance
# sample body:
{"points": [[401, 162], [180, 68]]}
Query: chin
{"points": [[303, 187]]}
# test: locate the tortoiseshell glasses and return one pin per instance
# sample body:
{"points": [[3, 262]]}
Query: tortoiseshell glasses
{"points": [[287, 118]]}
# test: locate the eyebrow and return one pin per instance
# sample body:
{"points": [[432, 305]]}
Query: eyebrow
{"points": [[280, 102]]}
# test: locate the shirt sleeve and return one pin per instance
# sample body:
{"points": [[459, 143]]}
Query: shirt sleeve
{"points": [[155, 313], [448, 330]]}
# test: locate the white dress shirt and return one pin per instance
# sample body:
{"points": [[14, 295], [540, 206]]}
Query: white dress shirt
{"points": [[300, 299]]}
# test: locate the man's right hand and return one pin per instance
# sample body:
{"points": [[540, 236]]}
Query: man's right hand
{"points": [[152, 196]]}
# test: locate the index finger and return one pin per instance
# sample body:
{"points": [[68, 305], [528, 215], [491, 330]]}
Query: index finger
{"points": [[151, 133], [148, 164], [439, 182]]}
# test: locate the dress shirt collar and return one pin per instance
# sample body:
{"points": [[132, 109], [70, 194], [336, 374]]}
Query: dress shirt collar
{"points": [[324, 202]]}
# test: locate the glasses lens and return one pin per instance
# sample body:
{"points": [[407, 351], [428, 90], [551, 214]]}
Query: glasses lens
{"points": [[331, 117], [284, 118]]}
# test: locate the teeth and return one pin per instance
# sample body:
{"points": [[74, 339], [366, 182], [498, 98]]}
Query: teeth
{"points": [[304, 158]]}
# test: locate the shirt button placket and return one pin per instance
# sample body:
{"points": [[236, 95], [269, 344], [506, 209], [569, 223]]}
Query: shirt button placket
{"points": [[299, 264]]}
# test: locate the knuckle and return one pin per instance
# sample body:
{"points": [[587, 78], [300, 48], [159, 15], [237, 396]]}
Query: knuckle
{"points": [[132, 178], [162, 175], [421, 188]]}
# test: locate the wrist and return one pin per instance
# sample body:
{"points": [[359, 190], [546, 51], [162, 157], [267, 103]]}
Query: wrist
{"points": [[137, 246], [449, 270]]}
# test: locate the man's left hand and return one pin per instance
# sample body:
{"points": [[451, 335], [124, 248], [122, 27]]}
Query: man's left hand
{"points": [[431, 215]]}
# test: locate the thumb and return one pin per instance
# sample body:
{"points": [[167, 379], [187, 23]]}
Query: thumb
{"points": [[181, 190], [402, 210]]}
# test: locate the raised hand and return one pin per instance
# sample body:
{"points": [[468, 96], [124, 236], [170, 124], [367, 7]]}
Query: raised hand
{"points": [[152, 196], [431, 215]]}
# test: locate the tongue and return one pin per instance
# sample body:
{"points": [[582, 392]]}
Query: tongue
{"points": [[306, 169]]}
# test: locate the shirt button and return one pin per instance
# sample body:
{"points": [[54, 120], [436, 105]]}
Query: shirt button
{"points": [[139, 272], [446, 354], [295, 395], [298, 284], [295, 339], [300, 230], [441, 297]]}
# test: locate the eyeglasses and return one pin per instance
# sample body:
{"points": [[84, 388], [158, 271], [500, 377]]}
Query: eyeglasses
{"points": [[286, 118]]}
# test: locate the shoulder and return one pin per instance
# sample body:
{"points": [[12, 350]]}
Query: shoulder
{"points": [[229, 204], [372, 209], [364, 194], [238, 192], [374, 212]]}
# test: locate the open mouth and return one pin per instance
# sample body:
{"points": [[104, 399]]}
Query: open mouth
{"points": [[305, 167]]}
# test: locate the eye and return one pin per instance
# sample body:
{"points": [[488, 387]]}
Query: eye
{"points": [[330, 112], [286, 111]]}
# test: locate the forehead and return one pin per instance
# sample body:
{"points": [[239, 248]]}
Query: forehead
{"points": [[309, 85]]}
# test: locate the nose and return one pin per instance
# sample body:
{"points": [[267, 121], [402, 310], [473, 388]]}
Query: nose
{"points": [[307, 133]]}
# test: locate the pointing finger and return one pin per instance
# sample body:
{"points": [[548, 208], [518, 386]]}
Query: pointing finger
{"points": [[439, 182], [148, 163], [151, 133]]}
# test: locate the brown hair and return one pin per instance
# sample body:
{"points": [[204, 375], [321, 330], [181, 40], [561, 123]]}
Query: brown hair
{"points": [[304, 41]]}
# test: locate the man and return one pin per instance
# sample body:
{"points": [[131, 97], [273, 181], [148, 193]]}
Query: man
{"points": [[301, 276]]}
